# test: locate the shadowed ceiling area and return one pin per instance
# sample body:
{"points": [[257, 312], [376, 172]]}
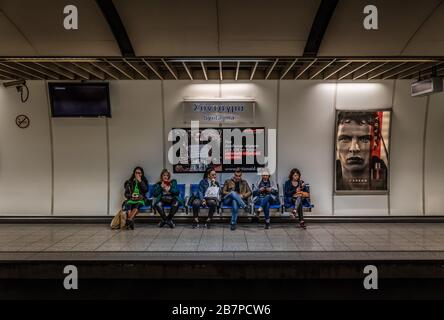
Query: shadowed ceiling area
{"points": [[221, 39]]}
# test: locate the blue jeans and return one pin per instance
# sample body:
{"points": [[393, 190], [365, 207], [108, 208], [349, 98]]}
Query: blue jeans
{"points": [[234, 199], [264, 203]]}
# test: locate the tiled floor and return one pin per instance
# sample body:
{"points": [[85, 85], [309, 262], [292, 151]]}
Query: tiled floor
{"points": [[319, 237]]}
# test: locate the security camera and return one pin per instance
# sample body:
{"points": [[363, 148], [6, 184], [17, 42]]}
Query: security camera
{"points": [[21, 87], [15, 83]]}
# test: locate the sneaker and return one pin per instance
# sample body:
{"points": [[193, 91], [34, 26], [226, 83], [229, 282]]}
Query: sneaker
{"points": [[161, 223], [170, 224], [302, 225], [232, 227], [195, 224], [267, 225], [207, 224]]}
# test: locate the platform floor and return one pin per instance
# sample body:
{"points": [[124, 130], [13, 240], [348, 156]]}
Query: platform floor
{"points": [[319, 237]]}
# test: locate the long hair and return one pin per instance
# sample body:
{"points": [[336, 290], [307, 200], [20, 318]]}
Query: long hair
{"points": [[207, 172], [163, 172], [133, 176], [292, 172]]}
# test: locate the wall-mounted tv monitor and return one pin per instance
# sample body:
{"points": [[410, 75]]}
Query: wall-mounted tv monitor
{"points": [[88, 100]]}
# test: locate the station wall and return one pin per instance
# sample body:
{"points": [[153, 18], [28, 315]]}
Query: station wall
{"points": [[77, 166]]}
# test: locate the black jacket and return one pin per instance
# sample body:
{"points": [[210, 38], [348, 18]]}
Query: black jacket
{"points": [[130, 185]]}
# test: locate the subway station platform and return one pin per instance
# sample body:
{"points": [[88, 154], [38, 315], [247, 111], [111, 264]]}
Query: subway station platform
{"points": [[172, 260]]}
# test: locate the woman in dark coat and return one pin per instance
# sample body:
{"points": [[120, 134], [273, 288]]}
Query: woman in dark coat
{"points": [[136, 188], [165, 192]]}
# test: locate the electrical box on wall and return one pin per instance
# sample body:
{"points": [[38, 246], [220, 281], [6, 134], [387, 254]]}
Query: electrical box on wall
{"points": [[426, 87]]}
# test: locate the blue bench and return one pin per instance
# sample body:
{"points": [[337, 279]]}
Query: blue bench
{"points": [[306, 203]]}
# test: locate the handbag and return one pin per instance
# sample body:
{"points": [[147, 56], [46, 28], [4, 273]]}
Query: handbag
{"points": [[119, 220], [168, 198]]}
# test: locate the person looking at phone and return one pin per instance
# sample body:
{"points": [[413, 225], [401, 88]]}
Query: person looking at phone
{"points": [[295, 191], [136, 188], [165, 192], [265, 192], [208, 195]]}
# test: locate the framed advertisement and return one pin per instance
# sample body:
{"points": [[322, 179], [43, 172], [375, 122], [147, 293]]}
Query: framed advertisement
{"points": [[231, 153], [362, 152]]}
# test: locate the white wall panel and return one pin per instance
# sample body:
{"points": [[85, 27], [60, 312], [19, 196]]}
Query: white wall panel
{"points": [[434, 157], [358, 95], [135, 133], [80, 166], [361, 205], [25, 158], [306, 122], [406, 151]]}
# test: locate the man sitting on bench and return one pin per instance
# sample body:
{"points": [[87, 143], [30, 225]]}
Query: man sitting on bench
{"points": [[236, 192]]}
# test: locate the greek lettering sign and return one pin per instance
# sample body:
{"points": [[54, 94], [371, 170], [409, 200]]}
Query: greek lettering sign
{"points": [[219, 111]]}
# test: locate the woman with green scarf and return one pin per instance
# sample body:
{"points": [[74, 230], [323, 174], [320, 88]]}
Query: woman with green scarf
{"points": [[136, 188]]}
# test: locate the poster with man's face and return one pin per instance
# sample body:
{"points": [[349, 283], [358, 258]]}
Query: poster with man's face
{"points": [[362, 151]]}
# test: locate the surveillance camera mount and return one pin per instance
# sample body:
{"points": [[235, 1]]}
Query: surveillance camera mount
{"points": [[21, 88]]}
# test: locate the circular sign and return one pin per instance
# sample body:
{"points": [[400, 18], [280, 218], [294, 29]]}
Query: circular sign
{"points": [[22, 121]]}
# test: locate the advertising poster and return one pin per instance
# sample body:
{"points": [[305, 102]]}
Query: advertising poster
{"points": [[362, 151], [231, 153]]}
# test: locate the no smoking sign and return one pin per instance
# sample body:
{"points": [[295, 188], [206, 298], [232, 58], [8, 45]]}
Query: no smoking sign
{"points": [[22, 121]]}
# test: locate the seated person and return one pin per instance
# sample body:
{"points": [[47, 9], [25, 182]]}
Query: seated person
{"points": [[136, 188], [295, 191], [236, 192], [208, 195], [165, 192], [265, 192]]}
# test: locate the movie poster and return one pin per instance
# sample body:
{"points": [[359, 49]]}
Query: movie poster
{"points": [[362, 151]]}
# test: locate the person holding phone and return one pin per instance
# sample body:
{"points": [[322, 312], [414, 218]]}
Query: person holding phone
{"points": [[165, 192], [208, 195], [136, 188], [265, 193], [295, 191]]}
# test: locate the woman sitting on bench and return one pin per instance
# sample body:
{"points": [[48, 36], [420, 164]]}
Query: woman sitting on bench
{"points": [[295, 191], [136, 188], [165, 192], [207, 195], [265, 193]]}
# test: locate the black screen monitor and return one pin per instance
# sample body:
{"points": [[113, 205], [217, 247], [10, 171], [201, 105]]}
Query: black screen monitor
{"points": [[80, 100]]}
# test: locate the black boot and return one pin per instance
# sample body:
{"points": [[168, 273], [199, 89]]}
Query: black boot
{"points": [[130, 224], [170, 224]]}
